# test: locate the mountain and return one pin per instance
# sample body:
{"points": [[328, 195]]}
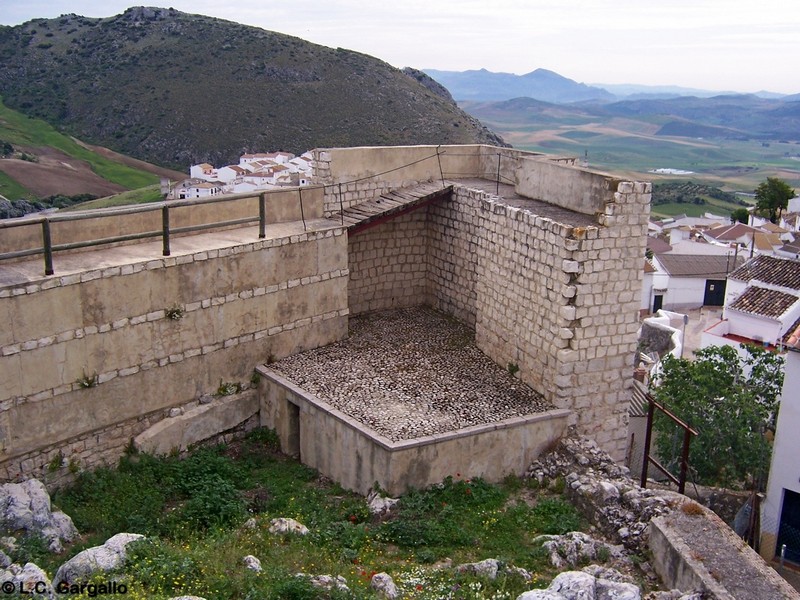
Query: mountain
{"points": [[541, 84], [733, 117], [729, 116], [177, 89], [629, 91]]}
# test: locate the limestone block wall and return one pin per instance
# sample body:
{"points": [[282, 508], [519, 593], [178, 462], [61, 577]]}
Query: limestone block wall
{"points": [[455, 232], [353, 175], [388, 264], [606, 275], [89, 360], [556, 300]]}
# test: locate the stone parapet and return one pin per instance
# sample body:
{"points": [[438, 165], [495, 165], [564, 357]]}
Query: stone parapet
{"points": [[98, 355], [559, 302]]}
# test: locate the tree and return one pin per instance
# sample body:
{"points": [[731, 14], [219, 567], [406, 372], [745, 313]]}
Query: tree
{"points": [[731, 401], [740, 215], [772, 197]]}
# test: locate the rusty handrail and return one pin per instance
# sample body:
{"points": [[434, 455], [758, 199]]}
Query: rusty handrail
{"points": [[649, 460]]}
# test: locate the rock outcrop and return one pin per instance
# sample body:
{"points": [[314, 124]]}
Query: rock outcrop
{"points": [[107, 557], [384, 586], [286, 526], [583, 585], [26, 507], [29, 581], [604, 491]]}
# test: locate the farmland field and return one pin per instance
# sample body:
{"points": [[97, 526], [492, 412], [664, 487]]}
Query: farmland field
{"points": [[631, 148]]}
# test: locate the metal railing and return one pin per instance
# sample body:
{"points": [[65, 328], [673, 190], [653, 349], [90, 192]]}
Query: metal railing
{"points": [[46, 221], [649, 460]]}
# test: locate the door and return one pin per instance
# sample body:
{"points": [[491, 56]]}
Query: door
{"points": [[715, 292], [789, 531], [658, 302]]}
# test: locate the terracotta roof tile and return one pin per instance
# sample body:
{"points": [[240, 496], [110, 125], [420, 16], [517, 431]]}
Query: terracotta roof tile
{"points": [[784, 272], [764, 302], [730, 232], [792, 337]]}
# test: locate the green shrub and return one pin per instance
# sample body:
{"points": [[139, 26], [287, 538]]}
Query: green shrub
{"points": [[555, 516], [214, 503]]}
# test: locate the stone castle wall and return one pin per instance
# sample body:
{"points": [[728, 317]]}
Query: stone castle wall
{"points": [[388, 265], [558, 301], [91, 360]]}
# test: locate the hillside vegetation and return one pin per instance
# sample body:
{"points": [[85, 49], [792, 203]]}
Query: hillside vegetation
{"points": [[178, 89], [37, 162], [693, 199], [203, 514]]}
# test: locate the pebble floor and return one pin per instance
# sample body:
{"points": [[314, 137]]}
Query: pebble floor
{"points": [[409, 373]]}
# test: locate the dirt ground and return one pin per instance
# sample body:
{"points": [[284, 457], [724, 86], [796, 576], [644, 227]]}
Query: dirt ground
{"points": [[59, 173]]}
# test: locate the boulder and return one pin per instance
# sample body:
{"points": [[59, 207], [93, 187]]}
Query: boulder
{"points": [[607, 573], [485, 568], [384, 585], [26, 507], [540, 595], [29, 581], [107, 557], [252, 563], [286, 526], [574, 585], [605, 589]]}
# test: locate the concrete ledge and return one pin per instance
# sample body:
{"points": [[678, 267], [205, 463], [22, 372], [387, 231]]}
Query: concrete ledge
{"points": [[197, 424], [700, 552], [356, 457]]}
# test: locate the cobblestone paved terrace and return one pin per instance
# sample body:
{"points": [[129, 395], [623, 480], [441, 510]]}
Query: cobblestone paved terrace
{"points": [[409, 373]]}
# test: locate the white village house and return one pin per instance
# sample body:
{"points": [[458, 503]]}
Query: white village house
{"points": [[762, 303], [780, 510], [254, 172]]}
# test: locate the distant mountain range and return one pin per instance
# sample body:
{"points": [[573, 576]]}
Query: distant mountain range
{"points": [[542, 96], [548, 86], [177, 89], [729, 117], [540, 84]]}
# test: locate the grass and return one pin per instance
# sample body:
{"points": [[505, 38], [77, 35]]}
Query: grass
{"points": [[19, 129], [150, 193], [13, 190], [192, 512]]}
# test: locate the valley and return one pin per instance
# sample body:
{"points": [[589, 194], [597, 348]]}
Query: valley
{"points": [[631, 147]]}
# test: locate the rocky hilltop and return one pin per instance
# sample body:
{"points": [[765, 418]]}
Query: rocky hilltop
{"points": [[176, 89]]}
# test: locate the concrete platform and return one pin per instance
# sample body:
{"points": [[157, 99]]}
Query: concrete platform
{"points": [[406, 401]]}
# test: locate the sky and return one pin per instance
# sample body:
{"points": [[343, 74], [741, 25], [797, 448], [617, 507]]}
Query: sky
{"points": [[723, 45]]}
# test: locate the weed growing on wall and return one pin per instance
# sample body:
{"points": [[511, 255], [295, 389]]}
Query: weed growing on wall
{"points": [[228, 388], [174, 312], [88, 381]]}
